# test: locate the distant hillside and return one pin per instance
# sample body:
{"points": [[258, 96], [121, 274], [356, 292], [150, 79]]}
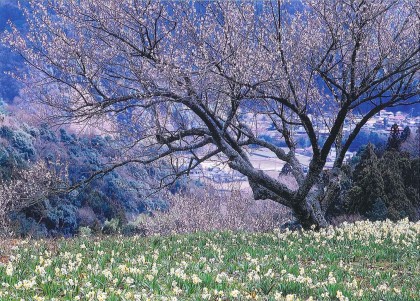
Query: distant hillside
{"points": [[9, 87], [119, 194]]}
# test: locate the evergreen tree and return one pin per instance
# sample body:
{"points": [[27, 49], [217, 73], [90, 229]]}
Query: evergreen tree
{"points": [[386, 187], [368, 186], [397, 171], [397, 138], [405, 134], [412, 181], [394, 138]]}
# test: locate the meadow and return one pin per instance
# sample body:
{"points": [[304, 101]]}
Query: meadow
{"points": [[360, 261]]}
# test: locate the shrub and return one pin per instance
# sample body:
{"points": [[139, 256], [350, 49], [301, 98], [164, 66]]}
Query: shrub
{"points": [[6, 132], [111, 226], [23, 142], [22, 226], [86, 217], [85, 232], [47, 134], [208, 209], [68, 218], [379, 211], [65, 137], [131, 229], [8, 163]]}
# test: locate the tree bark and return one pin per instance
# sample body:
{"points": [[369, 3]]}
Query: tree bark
{"points": [[309, 214], [331, 189]]}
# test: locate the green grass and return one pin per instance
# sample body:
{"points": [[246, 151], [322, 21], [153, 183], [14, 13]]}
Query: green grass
{"points": [[365, 261]]}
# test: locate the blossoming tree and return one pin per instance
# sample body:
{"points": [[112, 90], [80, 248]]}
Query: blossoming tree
{"points": [[191, 80], [26, 188]]}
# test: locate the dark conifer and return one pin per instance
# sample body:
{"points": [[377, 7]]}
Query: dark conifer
{"points": [[394, 138], [397, 138], [368, 187], [395, 169]]}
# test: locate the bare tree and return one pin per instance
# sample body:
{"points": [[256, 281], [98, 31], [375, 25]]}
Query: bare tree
{"points": [[190, 81]]}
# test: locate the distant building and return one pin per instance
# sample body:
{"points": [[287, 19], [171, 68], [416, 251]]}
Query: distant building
{"points": [[386, 114]]}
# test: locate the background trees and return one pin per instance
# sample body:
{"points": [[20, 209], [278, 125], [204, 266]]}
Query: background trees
{"points": [[37, 164], [182, 79], [368, 190], [385, 187]]}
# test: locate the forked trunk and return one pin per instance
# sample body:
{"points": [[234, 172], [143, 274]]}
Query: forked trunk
{"points": [[308, 211], [310, 215]]}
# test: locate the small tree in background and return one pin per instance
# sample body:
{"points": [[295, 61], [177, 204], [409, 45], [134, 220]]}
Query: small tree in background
{"points": [[397, 138], [27, 188]]}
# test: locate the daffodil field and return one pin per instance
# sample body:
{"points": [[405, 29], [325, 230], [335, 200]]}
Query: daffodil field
{"points": [[361, 261]]}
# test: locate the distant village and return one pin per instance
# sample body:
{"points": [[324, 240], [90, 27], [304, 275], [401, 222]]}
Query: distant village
{"points": [[384, 120], [267, 161]]}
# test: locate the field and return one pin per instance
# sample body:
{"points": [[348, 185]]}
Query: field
{"points": [[363, 261]]}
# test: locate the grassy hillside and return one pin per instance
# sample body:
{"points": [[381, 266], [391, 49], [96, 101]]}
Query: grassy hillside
{"points": [[364, 261]]}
